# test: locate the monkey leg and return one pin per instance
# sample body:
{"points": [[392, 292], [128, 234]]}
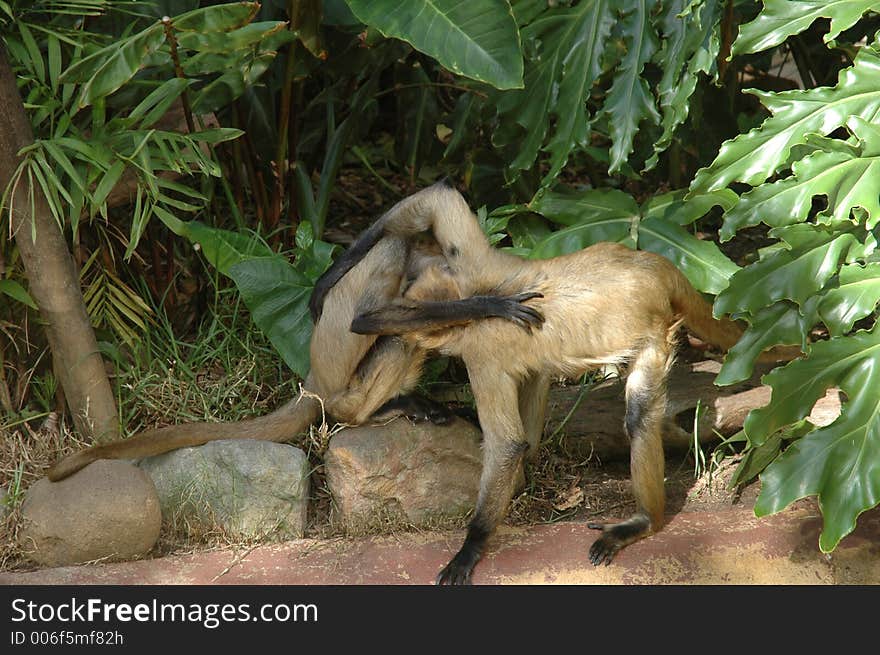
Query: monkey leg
{"points": [[645, 407], [401, 316], [504, 446], [533, 394]]}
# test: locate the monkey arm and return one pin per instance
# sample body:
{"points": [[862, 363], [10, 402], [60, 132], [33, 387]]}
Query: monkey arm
{"points": [[404, 315]]}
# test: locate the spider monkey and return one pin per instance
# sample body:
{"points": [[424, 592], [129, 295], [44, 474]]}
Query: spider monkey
{"points": [[358, 378], [605, 304]]}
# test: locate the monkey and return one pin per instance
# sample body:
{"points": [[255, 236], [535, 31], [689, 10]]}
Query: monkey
{"points": [[358, 378], [605, 304]]}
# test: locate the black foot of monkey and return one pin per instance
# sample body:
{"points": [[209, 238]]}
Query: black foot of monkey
{"points": [[460, 568], [417, 409], [616, 536]]}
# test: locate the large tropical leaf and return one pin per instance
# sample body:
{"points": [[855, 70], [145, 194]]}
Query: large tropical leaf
{"points": [[755, 156], [823, 269], [848, 176], [780, 19], [689, 48], [570, 49], [275, 291], [473, 38], [629, 101], [812, 256], [611, 215], [837, 463], [567, 46]]}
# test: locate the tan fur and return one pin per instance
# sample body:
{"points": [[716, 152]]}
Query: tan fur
{"points": [[603, 304], [351, 377]]}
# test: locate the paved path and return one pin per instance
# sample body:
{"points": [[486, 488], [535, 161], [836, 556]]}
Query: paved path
{"points": [[697, 547]]}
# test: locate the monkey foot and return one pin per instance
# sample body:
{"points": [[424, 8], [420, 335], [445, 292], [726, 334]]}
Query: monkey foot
{"points": [[457, 572], [616, 536]]}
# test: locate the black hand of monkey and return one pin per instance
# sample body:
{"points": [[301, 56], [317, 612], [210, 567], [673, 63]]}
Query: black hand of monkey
{"points": [[513, 309]]}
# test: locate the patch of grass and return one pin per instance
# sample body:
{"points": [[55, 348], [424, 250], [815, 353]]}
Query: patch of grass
{"points": [[226, 371]]}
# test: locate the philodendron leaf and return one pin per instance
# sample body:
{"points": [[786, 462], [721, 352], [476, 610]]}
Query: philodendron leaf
{"points": [[611, 215], [275, 291], [589, 216], [474, 39], [856, 297], [629, 101], [780, 19], [569, 44], [782, 323], [690, 47], [847, 176], [839, 462], [813, 256], [758, 154]]}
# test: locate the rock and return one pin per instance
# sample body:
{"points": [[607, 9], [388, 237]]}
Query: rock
{"points": [[415, 472], [246, 488], [109, 510]]}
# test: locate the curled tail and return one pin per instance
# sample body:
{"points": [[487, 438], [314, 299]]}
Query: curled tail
{"points": [[281, 425]]}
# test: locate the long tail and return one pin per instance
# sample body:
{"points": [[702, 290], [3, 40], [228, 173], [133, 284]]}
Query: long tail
{"points": [[721, 332], [281, 425]]}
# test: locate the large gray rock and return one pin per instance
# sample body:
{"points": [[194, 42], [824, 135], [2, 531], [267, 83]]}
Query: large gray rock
{"points": [[246, 488], [416, 472], [109, 510]]}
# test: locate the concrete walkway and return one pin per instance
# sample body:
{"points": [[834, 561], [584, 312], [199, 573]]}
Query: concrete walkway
{"points": [[701, 547]]}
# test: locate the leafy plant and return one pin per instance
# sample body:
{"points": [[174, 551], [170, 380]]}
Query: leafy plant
{"points": [[275, 290], [585, 66], [811, 170], [657, 225], [202, 59]]}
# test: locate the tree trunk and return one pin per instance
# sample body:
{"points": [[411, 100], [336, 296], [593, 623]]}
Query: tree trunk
{"points": [[53, 280]]}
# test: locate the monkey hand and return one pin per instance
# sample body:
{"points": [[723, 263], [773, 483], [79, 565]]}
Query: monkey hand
{"points": [[513, 309]]}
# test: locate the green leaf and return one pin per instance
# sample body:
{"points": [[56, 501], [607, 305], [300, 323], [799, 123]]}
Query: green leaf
{"points": [[475, 39], [855, 297], [217, 18], [35, 57], [157, 102], [763, 151], [228, 41], [629, 101], [222, 248], [610, 215], [569, 44], [782, 323], [705, 266], [589, 216], [17, 292], [105, 71], [220, 92], [847, 176], [780, 19], [813, 256], [277, 296], [837, 463], [689, 47]]}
